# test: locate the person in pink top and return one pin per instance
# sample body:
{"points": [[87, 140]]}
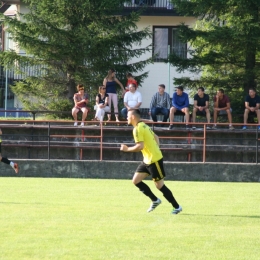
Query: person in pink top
{"points": [[222, 106]]}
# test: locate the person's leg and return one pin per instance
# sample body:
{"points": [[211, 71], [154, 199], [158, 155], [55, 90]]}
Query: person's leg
{"points": [[166, 193], [84, 114], [158, 174], [144, 188], [258, 116], [215, 115], [74, 113], [124, 112], [229, 116], [246, 116], [106, 110], [98, 113], [172, 112], [109, 104], [187, 114], [115, 104], [7, 161], [165, 113], [194, 113], [207, 115], [154, 112]]}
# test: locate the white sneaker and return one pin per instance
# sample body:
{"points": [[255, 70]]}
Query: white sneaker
{"points": [[82, 124], [75, 124], [154, 204], [177, 211]]}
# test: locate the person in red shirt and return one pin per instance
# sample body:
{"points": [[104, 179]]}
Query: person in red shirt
{"points": [[130, 80], [222, 106]]}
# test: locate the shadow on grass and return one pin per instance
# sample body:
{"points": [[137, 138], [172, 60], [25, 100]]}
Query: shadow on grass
{"points": [[233, 216]]}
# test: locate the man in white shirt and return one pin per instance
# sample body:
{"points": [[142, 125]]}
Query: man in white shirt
{"points": [[132, 99]]}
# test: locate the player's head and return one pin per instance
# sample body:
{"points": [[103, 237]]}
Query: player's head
{"points": [[133, 116]]}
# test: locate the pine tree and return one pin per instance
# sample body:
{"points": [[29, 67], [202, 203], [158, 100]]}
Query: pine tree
{"points": [[223, 45], [69, 42]]}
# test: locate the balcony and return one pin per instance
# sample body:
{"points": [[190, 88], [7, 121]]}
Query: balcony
{"points": [[150, 7]]}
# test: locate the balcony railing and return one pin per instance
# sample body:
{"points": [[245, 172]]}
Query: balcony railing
{"points": [[149, 4], [150, 7]]}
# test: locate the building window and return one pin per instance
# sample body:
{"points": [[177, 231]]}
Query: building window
{"points": [[164, 37]]}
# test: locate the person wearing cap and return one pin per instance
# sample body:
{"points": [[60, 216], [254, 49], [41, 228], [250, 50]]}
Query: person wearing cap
{"points": [[201, 106], [222, 107], [180, 102], [160, 104]]}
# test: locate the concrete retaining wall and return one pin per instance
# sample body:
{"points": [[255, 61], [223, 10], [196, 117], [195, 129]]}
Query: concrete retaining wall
{"points": [[220, 172]]}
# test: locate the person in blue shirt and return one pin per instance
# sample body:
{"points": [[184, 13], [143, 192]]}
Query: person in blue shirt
{"points": [[180, 102]]}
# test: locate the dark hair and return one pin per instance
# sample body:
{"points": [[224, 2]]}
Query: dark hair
{"points": [[180, 88], [80, 86], [221, 90], [252, 89], [162, 86], [129, 75], [201, 88], [135, 111]]}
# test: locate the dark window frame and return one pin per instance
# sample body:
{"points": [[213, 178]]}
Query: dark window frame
{"points": [[170, 36]]}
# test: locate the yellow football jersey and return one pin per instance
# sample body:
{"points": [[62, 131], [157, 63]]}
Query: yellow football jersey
{"points": [[151, 151]]}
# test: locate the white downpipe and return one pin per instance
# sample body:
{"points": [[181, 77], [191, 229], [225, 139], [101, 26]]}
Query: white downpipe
{"points": [[6, 86], [169, 72]]}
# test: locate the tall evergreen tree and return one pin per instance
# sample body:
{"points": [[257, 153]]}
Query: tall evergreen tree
{"points": [[224, 44], [69, 42]]}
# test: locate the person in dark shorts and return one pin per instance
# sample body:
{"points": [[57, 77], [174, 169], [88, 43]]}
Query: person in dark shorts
{"points": [[252, 105], [5, 160], [222, 107], [147, 142], [201, 106]]}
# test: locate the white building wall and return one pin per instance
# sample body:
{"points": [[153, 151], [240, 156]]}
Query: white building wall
{"points": [[159, 72]]}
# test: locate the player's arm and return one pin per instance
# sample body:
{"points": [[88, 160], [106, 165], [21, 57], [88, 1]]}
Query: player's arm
{"points": [[157, 139], [136, 148]]}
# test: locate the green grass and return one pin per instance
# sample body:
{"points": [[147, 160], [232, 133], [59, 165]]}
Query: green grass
{"points": [[107, 219]]}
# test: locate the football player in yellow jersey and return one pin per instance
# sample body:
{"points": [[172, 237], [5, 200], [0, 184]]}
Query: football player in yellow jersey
{"points": [[5, 160], [147, 142]]}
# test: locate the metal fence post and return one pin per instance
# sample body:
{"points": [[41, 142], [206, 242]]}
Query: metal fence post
{"points": [[49, 140]]}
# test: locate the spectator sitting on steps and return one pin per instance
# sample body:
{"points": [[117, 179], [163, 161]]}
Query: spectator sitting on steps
{"points": [[180, 102], [222, 107], [160, 104], [252, 103], [101, 103], [80, 101], [201, 106], [132, 99]]}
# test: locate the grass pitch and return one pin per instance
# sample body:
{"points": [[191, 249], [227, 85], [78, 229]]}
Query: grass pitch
{"points": [[107, 219]]}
